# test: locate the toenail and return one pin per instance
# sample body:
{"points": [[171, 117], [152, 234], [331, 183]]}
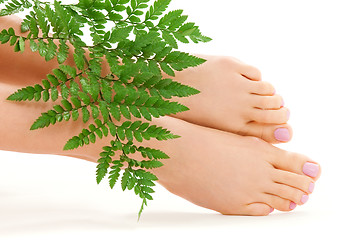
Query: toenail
{"points": [[282, 134], [304, 199], [271, 210], [292, 205], [311, 187], [310, 169], [283, 103]]}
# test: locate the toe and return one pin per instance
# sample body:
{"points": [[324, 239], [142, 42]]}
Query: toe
{"points": [[302, 182], [279, 116], [251, 72], [267, 102], [290, 193], [279, 203], [258, 209], [295, 163], [268, 132], [261, 88]]}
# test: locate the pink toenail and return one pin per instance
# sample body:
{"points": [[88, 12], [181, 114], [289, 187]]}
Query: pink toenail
{"points": [[271, 210], [311, 187], [292, 205], [283, 103], [304, 199], [282, 134], [310, 169]]}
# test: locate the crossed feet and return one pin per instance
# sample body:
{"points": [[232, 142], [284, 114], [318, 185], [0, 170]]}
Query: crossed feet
{"points": [[224, 160]]}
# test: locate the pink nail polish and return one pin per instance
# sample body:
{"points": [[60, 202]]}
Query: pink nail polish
{"points": [[311, 187], [304, 199], [292, 205], [282, 134], [310, 169]]}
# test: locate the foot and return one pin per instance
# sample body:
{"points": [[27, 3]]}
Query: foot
{"points": [[218, 170], [228, 173], [233, 98]]}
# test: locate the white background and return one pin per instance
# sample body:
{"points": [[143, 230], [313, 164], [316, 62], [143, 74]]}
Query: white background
{"points": [[308, 50]]}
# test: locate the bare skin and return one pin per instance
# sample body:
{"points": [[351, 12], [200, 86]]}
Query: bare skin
{"points": [[225, 172], [233, 98], [217, 170]]}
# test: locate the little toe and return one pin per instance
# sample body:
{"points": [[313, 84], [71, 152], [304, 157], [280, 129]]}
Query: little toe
{"points": [[290, 193], [258, 209], [296, 163], [279, 203], [302, 182], [267, 102], [268, 132], [279, 116]]}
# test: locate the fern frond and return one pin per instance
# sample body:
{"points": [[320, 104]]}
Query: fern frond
{"points": [[157, 9], [14, 6], [137, 49]]}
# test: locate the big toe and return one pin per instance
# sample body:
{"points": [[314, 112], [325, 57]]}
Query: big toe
{"points": [[296, 163], [269, 132]]}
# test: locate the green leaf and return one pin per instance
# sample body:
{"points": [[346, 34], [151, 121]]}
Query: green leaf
{"points": [[73, 143], [95, 111], [168, 37], [58, 108], [45, 95], [67, 104], [76, 102], [54, 94], [180, 60], [103, 107], [63, 52], [85, 114], [167, 69], [85, 98], [112, 128], [53, 79], [125, 111], [43, 121], [74, 88], [157, 9], [119, 34], [114, 110], [33, 46], [68, 70], [65, 92], [125, 179], [22, 44], [79, 60], [60, 75]]}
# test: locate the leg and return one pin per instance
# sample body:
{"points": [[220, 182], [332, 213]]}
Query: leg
{"points": [[221, 171], [233, 98]]}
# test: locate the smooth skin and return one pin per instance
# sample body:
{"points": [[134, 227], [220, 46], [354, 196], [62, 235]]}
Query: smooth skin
{"points": [[233, 97], [215, 169]]}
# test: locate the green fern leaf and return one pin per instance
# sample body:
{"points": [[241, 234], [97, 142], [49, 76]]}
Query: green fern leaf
{"points": [[157, 9], [137, 52]]}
